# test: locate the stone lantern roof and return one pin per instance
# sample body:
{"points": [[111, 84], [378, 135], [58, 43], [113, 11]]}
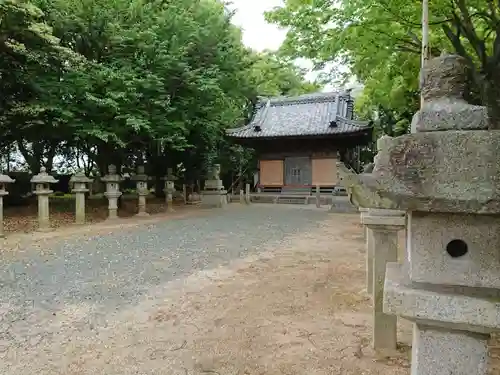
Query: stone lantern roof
{"points": [[80, 178], [112, 176], [5, 179], [43, 178], [140, 175]]}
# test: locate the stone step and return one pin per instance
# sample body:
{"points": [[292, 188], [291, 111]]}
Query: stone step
{"points": [[290, 200], [263, 198]]}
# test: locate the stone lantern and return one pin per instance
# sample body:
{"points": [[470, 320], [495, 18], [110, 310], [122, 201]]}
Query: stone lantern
{"points": [[79, 186], [214, 194], [169, 189], [445, 175], [42, 183], [141, 181], [4, 180], [112, 180]]}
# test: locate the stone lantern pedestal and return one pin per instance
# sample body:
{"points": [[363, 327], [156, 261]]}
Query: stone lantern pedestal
{"points": [[4, 180], [112, 180], [214, 194], [445, 175], [248, 198], [169, 190], [141, 180], [79, 182], [42, 190], [384, 226], [369, 251]]}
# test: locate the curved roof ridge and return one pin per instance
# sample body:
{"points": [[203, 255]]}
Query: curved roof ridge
{"points": [[358, 123], [317, 97], [304, 115]]}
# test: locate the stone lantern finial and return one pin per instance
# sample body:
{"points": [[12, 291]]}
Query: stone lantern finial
{"points": [[445, 107]]}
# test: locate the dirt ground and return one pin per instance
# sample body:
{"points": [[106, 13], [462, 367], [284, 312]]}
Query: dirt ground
{"points": [[299, 308]]}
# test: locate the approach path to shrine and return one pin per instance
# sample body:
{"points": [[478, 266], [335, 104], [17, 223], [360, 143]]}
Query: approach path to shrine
{"points": [[51, 300]]}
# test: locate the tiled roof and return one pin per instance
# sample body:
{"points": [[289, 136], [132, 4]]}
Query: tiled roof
{"points": [[311, 114]]}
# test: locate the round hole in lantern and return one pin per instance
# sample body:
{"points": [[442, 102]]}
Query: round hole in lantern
{"points": [[457, 248]]}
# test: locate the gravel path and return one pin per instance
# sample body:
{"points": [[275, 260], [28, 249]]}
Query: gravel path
{"points": [[108, 273]]}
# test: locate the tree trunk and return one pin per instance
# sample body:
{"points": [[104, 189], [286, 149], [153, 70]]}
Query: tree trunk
{"points": [[491, 96], [32, 157]]}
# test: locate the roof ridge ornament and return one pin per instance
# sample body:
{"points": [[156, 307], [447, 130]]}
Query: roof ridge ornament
{"points": [[258, 127]]}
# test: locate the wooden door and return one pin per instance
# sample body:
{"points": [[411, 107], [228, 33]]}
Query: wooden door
{"points": [[324, 171], [298, 171]]}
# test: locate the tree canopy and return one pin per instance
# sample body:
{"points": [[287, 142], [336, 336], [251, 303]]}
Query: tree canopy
{"points": [[129, 82], [380, 43]]}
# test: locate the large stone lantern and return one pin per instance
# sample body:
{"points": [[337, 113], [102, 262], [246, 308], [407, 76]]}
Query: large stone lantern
{"points": [[112, 180], [446, 176], [4, 180], [214, 194], [141, 182], [169, 189], [42, 182], [79, 183]]}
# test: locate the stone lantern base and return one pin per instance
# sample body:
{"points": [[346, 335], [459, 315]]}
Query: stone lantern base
{"points": [[214, 198], [450, 331]]}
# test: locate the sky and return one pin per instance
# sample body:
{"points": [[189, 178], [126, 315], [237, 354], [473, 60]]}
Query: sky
{"points": [[260, 35], [257, 33]]}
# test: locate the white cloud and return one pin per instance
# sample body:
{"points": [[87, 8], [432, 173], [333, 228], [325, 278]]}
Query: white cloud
{"points": [[257, 33], [260, 35]]}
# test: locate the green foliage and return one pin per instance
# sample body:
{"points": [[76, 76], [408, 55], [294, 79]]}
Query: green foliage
{"points": [[129, 82], [379, 41]]}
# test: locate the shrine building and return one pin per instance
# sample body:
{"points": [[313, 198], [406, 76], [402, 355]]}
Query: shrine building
{"points": [[298, 140]]}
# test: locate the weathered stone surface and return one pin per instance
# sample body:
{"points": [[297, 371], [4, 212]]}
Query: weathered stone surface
{"points": [[447, 307], [215, 173], [113, 192], [434, 249], [42, 183], [434, 171], [141, 175], [43, 178], [368, 168], [445, 77], [80, 178], [384, 226], [214, 198], [446, 174], [444, 105], [79, 186], [459, 353], [5, 179], [214, 185]]}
